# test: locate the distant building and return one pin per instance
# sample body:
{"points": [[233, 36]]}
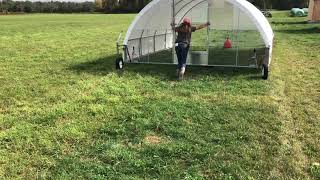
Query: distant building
{"points": [[314, 11]]}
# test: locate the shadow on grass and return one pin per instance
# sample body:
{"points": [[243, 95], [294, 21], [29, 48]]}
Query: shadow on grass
{"points": [[101, 66], [290, 23], [312, 30], [106, 65]]}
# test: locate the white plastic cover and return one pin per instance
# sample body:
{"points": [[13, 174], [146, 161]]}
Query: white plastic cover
{"points": [[155, 19]]}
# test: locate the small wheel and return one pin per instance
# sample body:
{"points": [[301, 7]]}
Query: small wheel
{"points": [[299, 14], [270, 15], [119, 63], [265, 71]]}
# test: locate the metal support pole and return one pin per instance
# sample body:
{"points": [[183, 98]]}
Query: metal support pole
{"points": [[173, 30], [266, 59], [118, 40], [140, 45], [237, 39], [154, 41], [148, 42], [208, 29], [165, 40]]}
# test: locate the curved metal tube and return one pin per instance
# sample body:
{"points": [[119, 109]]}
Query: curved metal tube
{"points": [[191, 9], [183, 7], [179, 2]]}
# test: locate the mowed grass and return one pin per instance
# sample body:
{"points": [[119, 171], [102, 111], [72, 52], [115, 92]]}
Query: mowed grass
{"points": [[66, 113]]}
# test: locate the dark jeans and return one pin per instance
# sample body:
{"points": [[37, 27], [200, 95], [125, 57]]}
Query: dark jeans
{"points": [[182, 53]]}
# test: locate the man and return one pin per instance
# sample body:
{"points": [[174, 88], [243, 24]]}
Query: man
{"points": [[183, 40]]}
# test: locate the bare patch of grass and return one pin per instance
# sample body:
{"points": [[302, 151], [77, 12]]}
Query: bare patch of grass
{"points": [[152, 139]]}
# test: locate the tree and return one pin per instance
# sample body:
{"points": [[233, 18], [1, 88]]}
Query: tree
{"points": [[117, 6], [98, 5], [1, 7], [109, 5], [288, 4], [88, 7]]}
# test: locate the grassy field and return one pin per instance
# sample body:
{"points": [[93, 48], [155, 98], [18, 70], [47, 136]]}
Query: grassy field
{"points": [[65, 113]]}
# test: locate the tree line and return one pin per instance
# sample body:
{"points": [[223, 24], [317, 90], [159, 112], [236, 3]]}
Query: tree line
{"points": [[9, 6], [137, 5], [116, 6], [280, 4], [102, 6], [120, 6]]}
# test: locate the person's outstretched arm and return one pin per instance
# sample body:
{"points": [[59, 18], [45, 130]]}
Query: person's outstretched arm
{"points": [[203, 26]]}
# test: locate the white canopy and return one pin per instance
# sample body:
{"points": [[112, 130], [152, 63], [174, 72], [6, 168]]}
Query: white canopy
{"points": [[157, 15], [151, 27]]}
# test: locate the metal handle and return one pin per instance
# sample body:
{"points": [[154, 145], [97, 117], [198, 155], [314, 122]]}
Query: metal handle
{"points": [[119, 37]]}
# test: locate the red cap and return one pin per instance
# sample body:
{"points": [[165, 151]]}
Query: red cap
{"points": [[187, 21]]}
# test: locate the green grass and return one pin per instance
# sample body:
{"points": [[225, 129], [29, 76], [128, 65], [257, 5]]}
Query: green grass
{"points": [[65, 112]]}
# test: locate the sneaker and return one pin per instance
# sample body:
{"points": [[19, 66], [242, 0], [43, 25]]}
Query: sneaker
{"points": [[181, 73], [183, 69]]}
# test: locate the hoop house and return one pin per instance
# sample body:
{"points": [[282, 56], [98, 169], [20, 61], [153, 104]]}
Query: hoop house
{"points": [[150, 38]]}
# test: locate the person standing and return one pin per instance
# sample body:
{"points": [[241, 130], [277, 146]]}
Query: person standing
{"points": [[183, 41]]}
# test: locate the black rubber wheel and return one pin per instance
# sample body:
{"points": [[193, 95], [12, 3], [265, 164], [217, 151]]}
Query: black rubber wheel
{"points": [[119, 63], [265, 71], [299, 14], [267, 14]]}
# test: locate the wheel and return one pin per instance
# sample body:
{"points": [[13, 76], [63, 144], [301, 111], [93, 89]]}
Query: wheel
{"points": [[299, 14], [119, 63], [265, 71], [267, 14]]}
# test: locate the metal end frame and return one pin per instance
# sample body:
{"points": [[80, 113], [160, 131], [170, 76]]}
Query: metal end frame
{"points": [[137, 50], [118, 40], [208, 28]]}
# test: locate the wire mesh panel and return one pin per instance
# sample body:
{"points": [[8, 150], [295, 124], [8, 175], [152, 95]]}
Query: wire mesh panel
{"points": [[153, 46], [133, 49], [146, 46], [150, 33], [160, 41], [223, 28], [250, 43]]}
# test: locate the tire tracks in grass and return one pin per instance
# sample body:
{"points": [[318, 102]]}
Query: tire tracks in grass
{"points": [[288, 91]]}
